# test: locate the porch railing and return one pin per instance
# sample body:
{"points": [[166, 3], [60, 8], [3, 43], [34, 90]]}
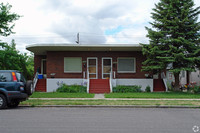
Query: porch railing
{"points": [[35, 80], [88, 82], [110, 82]]}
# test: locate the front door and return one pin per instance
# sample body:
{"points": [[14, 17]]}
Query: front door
{"points": [[106, 67], [92, 67], [43, 67]]}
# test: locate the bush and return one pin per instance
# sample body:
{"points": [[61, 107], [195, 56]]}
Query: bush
{"points": [[148, 89], [72, 89], [126, 89], [195, 89], [169, 86]]}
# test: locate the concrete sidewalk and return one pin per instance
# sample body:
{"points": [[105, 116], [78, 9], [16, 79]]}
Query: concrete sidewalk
{"points": [[99, 96], [102, 97], [125, 99]]}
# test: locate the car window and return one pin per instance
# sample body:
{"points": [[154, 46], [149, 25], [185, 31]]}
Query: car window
{"points": [[20, 77], [5, 77]]}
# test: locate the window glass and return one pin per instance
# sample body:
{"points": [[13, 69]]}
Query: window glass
{"points": [[5, 77], [106, 69], [106, 76], [20, 77], [126, 64], [106, 62], [92, 76], [92, 62], [92, 69], [73, 64]]}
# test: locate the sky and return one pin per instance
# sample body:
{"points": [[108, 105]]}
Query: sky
{"points": [[96, 21]]}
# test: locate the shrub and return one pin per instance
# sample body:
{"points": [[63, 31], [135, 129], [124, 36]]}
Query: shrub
{"points": [[72, 89], [196, 89], [148, 89], [169, 86], [126, 89]]}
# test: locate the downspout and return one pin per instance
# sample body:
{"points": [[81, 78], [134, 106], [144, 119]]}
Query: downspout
{"points": [[88, 82], [110, 82]]}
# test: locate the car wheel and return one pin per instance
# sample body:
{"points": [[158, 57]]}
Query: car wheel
{"points": [[3, 102], [29, 87], [13, 104]]}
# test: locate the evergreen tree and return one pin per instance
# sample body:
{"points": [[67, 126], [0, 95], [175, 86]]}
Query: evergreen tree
{"points": [[174, 38]]}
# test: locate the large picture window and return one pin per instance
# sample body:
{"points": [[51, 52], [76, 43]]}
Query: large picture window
{"points": [[126, 65], [72, 64]]}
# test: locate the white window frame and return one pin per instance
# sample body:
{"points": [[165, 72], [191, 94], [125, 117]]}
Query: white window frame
{"points": [[103, 65], [126, 71], [73, 71], [96, 67]]}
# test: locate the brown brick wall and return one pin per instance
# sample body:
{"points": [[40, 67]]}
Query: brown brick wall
{"points": [[55, 63]]}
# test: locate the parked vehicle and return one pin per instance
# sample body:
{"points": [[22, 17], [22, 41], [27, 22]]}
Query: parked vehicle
{"points": [[13, 88]]}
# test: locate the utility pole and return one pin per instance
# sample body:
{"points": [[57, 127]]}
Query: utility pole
{"points": [[77, 38]]}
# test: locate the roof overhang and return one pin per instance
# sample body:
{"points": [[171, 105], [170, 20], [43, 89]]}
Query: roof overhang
{"points": [[41, 49]]}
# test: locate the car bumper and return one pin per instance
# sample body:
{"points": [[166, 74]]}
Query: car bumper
{"points": [[17, 95]]}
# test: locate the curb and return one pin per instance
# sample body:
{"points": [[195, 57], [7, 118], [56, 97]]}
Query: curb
{"points": [[113, 106]]}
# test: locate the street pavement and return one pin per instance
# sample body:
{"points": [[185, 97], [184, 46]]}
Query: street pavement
{"points": [[99, 120]]}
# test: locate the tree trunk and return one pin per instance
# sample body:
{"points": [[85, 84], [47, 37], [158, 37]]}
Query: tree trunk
{"points": [[177, 80]]}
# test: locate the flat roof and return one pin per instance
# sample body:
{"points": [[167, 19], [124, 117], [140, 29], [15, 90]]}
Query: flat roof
{"points": [[41, 49]]}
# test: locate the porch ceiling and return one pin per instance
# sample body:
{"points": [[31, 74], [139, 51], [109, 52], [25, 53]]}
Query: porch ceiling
{"points": [[41, 49]]}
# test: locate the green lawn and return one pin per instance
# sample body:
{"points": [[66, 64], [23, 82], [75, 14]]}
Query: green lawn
{"points": [[153, 95], [36, 102], [60, 95]]}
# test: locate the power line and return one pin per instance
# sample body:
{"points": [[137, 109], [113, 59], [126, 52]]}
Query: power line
{"points": [[81, 34]]}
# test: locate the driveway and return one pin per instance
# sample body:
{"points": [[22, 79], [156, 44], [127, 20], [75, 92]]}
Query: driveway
{"points": [[99, 120]]}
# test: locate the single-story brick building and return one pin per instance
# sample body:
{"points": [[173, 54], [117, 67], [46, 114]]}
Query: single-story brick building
{"points": [[99, 66]]}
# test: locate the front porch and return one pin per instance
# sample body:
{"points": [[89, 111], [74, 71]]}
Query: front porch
{"points": [[98, 86]]}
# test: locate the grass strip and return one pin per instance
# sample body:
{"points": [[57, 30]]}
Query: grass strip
{"points": [[60, 95], [154, 95], [35, 102]]}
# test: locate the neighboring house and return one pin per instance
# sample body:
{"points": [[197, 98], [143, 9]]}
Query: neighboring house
{"points": [[193, 77], [99, 66]]}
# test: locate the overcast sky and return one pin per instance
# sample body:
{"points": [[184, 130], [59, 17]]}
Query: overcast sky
{"points": [[97, 21]]}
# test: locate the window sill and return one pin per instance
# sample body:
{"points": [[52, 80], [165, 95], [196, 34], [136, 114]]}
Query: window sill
{"points": [[71, 72], [126, 71]]}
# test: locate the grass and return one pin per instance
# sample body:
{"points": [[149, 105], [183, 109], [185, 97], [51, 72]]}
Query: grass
{"points": [[60, 95], [153, 95], [36, 102]]}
